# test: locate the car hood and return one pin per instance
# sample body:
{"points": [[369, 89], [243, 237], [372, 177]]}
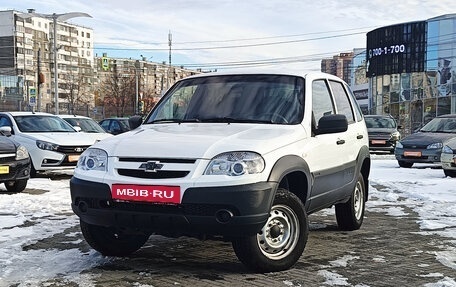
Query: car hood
{"points": [[425, 138], [7, 145], [196, 140], [63, 138], [97, 136]]}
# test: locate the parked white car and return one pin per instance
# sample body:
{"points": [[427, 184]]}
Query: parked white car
{"points": [[448, 158], [53, 144], [87, 125]]}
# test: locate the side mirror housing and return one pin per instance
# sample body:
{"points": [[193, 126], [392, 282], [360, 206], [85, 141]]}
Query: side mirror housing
{"points": [[135, 121], [334, 123]]}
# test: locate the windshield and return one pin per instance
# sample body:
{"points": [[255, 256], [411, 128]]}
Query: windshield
{"points": [[39, 124], [273, 99], [440, 125], [86, 125], [378, 122]]}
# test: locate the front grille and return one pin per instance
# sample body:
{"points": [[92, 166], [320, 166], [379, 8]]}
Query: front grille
{"points": [[413, 146], [153, 175], [7, 159], [72, 149], [160, 168], [162, 160]]}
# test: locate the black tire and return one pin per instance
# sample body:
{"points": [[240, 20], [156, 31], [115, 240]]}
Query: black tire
{"points": [[450, 173], [33, 171], [405, 164], [350, 214], [110, 241], [16, 186], [281, 241]]}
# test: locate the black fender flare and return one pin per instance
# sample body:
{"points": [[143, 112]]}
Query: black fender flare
{"points": [[289, 164]]}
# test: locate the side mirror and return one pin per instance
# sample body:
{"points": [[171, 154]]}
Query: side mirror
{"points": [[77, 128], [135, 121], [6, 130], [334, 123]]}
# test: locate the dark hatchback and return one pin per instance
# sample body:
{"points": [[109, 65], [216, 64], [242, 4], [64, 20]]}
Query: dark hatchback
{"points": [[426, 145], [115, 126], [14, 163], [383, 132]]}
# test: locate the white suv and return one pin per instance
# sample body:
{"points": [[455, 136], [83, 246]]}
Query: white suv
{"points": [[238, 157]]}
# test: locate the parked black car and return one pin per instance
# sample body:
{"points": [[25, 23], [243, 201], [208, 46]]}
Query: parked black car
{"points": [[14, 162], [383, 132], [426, 145], [115, 126]]}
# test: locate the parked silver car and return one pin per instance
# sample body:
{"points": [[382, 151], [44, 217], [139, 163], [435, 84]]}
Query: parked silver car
{"points": [[426, 145]]}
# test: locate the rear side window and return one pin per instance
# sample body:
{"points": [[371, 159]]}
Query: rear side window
{"points": [[321, 100], [342, 102]]}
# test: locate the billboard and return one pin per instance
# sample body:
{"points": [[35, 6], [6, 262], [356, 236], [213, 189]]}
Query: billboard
{"points": [[396, 49]]}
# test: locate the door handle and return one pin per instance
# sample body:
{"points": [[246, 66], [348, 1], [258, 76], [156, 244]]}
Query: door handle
{"points": [[339, 142], [359, 137]]}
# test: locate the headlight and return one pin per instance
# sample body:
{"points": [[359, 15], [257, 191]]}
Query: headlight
{"points": [[434, 146], [235, 164], [93, 159], [46, 145], [399, 145], [21, 153], [396, 136], [447, 149]]}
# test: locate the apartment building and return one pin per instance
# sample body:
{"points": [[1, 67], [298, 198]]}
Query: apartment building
{"points": [[27, 71]]}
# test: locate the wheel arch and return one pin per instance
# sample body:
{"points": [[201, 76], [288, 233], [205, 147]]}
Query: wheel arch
{"points": [[364, 164], [292, 173]]}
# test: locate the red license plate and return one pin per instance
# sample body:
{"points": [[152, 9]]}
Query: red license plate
{"points": [[412, 153], [378, 142], [146, 193]]}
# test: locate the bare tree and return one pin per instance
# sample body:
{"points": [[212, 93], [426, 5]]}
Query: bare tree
{"points": [[118, 92]]}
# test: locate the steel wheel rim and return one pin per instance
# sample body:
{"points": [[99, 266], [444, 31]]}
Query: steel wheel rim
{"points": [[358, 200], [280, 234]]}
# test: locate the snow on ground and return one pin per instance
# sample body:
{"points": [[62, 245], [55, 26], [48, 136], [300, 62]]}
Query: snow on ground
{"points": [[26, 218]]}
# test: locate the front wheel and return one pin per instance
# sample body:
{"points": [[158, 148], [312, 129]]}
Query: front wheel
{"points": [[405, 164], [16, 186], [282, 239], [111, 241], [350, 214], [450, 173]]}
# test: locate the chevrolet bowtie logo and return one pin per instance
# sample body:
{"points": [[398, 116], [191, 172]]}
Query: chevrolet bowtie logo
{"points": [[151, 166]]}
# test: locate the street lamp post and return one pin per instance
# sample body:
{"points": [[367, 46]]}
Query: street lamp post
{"points": [[137, 67], [55, 17], [61, 17]]}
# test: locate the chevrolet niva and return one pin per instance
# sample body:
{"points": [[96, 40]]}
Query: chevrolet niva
{"points": [[240, 157]]}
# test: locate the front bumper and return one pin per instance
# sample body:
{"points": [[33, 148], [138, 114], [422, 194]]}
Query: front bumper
{"points": [[426, 156], [18, 170], [448, 161], [224, 211]]}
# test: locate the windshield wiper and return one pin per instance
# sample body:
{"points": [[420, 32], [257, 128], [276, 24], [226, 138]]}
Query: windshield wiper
{"points": [[235, 120], [174, 121]]}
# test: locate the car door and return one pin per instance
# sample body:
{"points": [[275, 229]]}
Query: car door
{"points": [[325, 157]]}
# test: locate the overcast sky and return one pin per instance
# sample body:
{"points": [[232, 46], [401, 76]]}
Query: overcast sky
{"points": [[299, 32]]}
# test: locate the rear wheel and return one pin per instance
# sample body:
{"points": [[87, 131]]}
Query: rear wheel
{"points": [[281, 241], [405, 164], [111, 241], [350, 214], [16, 186]]}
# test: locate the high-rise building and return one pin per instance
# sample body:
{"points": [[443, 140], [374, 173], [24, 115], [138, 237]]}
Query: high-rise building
{"points": [[411, 70], [338, 65], [27, 62]]}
